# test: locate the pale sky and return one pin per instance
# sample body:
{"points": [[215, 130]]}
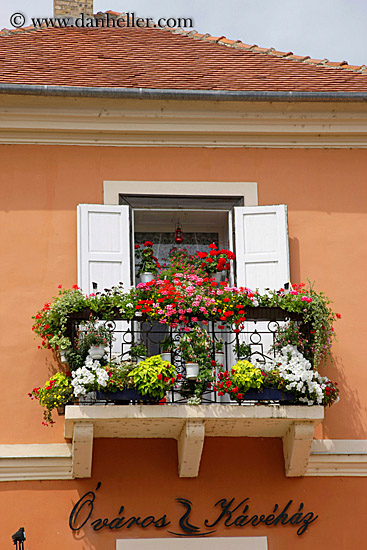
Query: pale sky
{"points": [[333, 29]]}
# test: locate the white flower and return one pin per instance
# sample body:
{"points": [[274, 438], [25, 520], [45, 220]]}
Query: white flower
{"points": [[87, 377], [298, 375]]}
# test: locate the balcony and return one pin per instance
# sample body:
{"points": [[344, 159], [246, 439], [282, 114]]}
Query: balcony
{"points": [[217, 416]]}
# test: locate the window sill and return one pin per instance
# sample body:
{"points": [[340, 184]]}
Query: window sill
{"points": [[189, 425]]}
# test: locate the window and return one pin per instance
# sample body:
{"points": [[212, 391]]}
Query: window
{"points": [[259, 240]]}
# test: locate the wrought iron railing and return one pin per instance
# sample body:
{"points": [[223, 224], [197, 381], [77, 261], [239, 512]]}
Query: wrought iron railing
{"points": [[254, 341]]}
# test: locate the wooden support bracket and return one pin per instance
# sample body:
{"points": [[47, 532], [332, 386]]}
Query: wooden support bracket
{"points": [[190, 446], [82, 449], [297, 447]]}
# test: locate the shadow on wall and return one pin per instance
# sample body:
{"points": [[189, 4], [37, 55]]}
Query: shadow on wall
{"points": [[295, 260], [354, 423]]}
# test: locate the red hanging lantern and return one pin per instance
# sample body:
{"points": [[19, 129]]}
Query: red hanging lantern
{"points": [[178, 234]]}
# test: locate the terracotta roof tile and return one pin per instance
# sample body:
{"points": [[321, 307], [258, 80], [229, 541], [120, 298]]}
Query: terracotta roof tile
{"points": [[150, 57]]}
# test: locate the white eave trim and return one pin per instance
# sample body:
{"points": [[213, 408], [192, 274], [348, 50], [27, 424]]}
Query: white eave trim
{"points": [[157, 123]]}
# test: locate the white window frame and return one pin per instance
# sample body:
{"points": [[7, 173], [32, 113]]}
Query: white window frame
{"points": [[113, 189]]}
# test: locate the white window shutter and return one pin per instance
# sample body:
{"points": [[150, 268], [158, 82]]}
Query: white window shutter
{"points": [[103, 246], [262, 251]]}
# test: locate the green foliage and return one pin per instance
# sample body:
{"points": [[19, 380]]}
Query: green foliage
{"points": [[50, 322], [242, 351], [315, 309], [194, 400], [153, 377], [166, 344], [138, 349]]}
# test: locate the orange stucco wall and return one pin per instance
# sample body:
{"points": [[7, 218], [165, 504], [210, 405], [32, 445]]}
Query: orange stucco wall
{"points": [[231, 468], [41, 186], [327, 207]]}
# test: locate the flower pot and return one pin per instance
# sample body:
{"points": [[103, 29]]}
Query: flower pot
{"points": [[62, 353], [219, 357], [146, 277], [166, 356], [97, 352], [124, 397], [88, 399], [268, 394], [192, 371], [218, 276], [61, 410]]}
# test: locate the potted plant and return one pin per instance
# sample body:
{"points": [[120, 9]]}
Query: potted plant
{"points": [[64, 346], [216, 262], [195, 347], [138, 351], [242, 351], [166, 348], [146, 382], [153, 377], [290, 371], [95, 337], [119, 388], [240, 379], [147, 263], [89, 378], [54, 394], [219, 352]]}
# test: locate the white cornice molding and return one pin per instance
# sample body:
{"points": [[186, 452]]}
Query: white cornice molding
{"points": [[26, 462], [338, 457], [57, 121]]}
